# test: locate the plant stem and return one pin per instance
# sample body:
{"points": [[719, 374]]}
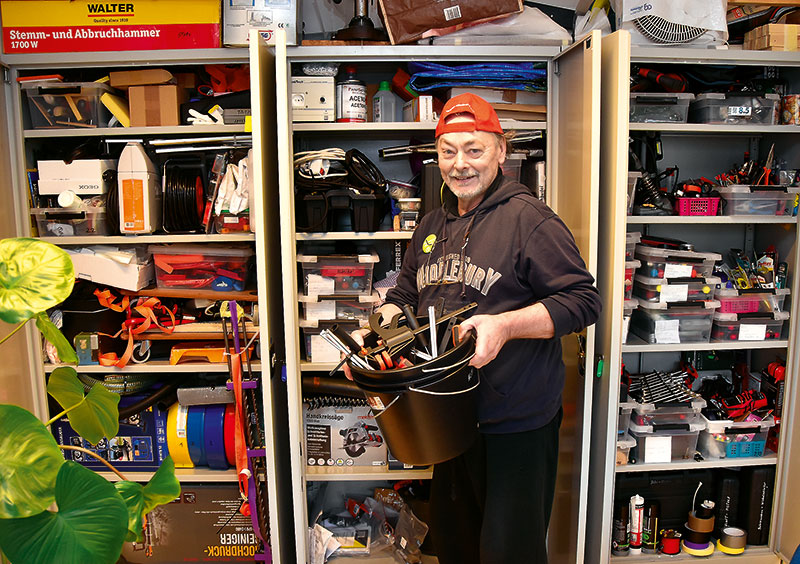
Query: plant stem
{"points": [[60, 415], [17, 328], [98, 457]]}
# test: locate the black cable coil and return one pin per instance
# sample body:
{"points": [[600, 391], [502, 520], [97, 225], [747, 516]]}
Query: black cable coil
{"points": [[183, 192]]}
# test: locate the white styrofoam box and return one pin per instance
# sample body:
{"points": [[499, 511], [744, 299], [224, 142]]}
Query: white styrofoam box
{"points": [[126, 269], [82, 176], [266, 16]]}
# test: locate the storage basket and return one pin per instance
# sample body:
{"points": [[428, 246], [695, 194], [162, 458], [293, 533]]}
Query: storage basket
{"points": [[696, 206]]}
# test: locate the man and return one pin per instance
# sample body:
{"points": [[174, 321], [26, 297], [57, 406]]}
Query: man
{"points": [[494, 243]]}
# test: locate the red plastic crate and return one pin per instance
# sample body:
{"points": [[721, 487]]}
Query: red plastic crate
{"points": [[697, 206]]}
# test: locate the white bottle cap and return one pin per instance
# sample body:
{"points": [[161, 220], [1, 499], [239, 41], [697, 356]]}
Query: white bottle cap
{"points": [[69, 199]]}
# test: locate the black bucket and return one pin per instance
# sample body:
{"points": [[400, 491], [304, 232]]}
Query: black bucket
{"points": [[427, 413]]}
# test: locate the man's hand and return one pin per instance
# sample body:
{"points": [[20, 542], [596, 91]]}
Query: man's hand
{"points": [[490, 335], [358, 336]]}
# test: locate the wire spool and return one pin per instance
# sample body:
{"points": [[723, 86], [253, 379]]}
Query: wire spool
{"points": [[183, 200], [112, 201], [697, 550], [228, 430], [670, 541], [732, 540], [195, 434], [214, 437], [363, 172], [177, 443]]}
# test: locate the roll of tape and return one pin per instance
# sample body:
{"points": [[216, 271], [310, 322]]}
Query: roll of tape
{"points": [[176, 436], [195, 433], [215, 437], [733, 537], [701, 525], [725, 550], [696, 537], [230, 444], [695, 545], [670, 541], [705, 551]]}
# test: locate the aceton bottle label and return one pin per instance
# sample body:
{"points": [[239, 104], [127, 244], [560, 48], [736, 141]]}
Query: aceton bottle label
{"points": [[351, 102]]}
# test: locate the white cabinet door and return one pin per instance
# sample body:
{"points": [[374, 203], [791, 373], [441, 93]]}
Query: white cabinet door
{"points": [[574, 120]]}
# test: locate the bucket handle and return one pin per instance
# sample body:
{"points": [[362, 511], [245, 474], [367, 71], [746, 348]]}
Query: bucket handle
{"points": [[377, 413], [432, 393], [443, 368]]}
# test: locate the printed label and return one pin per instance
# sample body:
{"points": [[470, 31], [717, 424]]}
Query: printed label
{"points": [[657, 449], [740, 110], [674, 293], [133, 204], [351, 102], [666, 331], [753, 332], [452, 13], [183, 417], [677, 270]]}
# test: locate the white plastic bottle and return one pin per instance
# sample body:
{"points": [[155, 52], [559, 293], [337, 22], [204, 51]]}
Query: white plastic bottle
{"points": [[384, 103]]}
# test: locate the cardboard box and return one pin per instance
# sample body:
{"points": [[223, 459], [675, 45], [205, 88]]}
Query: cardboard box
{"points": [[773, 37], [106, 266], [82, 176], [156, 105], [343, 436], [313, 98], [202, 525], [140, 444], [419, 109], [140, 77], [69, 26], [501, 95], [267, 16]]}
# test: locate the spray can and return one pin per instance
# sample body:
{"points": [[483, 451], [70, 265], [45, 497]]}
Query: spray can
{"points": [[650, 527], [637, 518], [351, 97], [621, 530]]}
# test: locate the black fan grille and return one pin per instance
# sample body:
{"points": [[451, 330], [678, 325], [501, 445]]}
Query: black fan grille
{"points": [[663, 31]]}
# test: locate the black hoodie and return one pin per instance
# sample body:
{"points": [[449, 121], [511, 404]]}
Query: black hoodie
{"points": [[509, 252]]}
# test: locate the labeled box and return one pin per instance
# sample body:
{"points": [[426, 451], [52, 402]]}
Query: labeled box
{"points": [[676, 443], [349, 308], [266, 16], [82, 176], [735, 108], [343, 436], [329, 275], [419, 109], [672, 323]]}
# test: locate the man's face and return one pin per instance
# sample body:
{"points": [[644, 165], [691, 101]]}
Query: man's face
{"points": [[469, 160]]}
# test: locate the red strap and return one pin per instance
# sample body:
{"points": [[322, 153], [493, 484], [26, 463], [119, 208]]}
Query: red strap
{"points": [[242, 471]]}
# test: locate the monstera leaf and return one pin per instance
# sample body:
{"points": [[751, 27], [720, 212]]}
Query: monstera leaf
{"points": [[92, 417], [162, 488], [65, 351], [29, 463], [89, 525], [34, 276]]}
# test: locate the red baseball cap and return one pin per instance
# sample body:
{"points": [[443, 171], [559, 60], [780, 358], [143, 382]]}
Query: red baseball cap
{"points": [[484, 116]]}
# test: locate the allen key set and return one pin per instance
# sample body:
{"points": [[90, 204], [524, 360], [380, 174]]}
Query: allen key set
{"points": [[661, 387]]}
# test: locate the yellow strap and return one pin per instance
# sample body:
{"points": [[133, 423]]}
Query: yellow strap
{"points": [[177, 443]]}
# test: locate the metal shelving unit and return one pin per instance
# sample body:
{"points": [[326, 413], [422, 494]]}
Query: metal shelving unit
{"points": [[135, 132]]}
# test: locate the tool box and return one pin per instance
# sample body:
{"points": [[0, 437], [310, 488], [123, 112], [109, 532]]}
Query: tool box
{"points": [[214, 267], [660, 107], [748, 326], [666, 413], [756, 300], [734, 439], [656, 444], [63, 222], [678, 322], [674, 289], [735, 108], [351, 308], [759, 200], [668, 263], [328, 275]]}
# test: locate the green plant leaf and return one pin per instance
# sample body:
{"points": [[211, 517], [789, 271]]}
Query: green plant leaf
{"points": [[90, 524], [163, 487], [93, 417], [34, 276], [52, 333], [133, 496], [29, 463]]}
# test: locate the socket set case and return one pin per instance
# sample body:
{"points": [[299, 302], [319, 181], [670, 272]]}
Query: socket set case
{"points": [[351, 308], [666, 263], [679, 322], [734, 439], [655, 444], [329, 275], [759, 200], [666, 413], [61, 222], [748, 326], [674, 289], [735, 108], [756, 300], [660, 107]]}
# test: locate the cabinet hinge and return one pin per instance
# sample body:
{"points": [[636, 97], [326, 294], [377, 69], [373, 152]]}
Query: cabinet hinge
{"points": [[555, 68], [6, 75]]}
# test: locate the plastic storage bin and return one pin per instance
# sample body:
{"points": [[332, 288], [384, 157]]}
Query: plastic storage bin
{"points": [[512, 167], [60, 222], [674, 289], [330, 275], [630, 268], [697, 206], [734, 439], [214, 267], [735, 108], [353, 308], [756, 300], [625, 410], [67, 104], [627, 311], [669, 323], [660, 107], [666, 413], [631, 239], [668, 442], [748, 326], [667, 263], [624, 445], [318, 349], [759, 200]]}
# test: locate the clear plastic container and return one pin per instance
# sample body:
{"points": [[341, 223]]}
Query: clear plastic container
{"points": [[630, 268], [227, 222], [351, 308], [631, 239], [318, 349], [210, 267], [734, 439], [748, 327], [674, 289], [627, 311], [332, 275], [667, 413], [61, 222], [512, 167], [625, 410], [680, 322], [624, 445], [67, 104], [759, 200], [660, 107], [668, 442], [667, 263], [735, 108], [756, 300]]}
